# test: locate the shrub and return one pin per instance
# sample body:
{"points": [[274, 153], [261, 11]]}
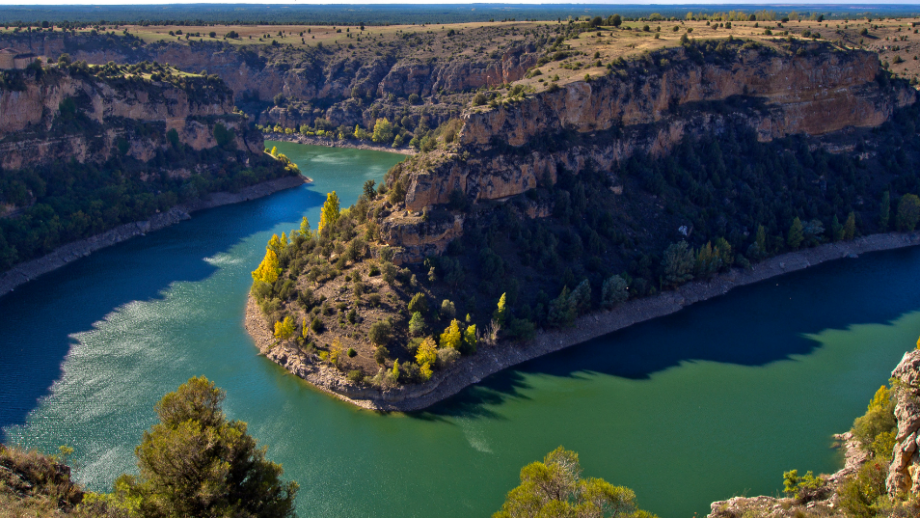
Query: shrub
{"points": [[418, 304], [351, 352], [379, 333], [908, 212], [316, 326], [381, 354], [355, 375], [614, 292], [446, 357]]}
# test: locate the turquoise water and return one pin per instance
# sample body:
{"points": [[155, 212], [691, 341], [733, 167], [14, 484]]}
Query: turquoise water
{"points": [[712, 402]]}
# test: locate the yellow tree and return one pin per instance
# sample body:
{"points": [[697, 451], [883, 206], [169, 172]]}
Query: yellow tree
{"points": [[469, 339], [268, 269], [427, 352], [330, 212], [501, 312], [277, 244], [285, 328], [451, 337], [335, 352], [426, 372]]}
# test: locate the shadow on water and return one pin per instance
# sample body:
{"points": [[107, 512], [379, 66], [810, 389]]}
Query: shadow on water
{"points": [[31, 358], [772, 328]]}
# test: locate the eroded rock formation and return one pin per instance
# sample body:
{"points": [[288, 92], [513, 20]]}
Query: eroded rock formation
{"points": [[37, 127], [904, 472], [648, 106]]}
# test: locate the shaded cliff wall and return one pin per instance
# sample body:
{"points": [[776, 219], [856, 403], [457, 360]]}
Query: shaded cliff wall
{"points": [[645, 106], [651, 110]]}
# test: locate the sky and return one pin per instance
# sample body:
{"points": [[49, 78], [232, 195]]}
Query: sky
{"points": [[429, 2]]}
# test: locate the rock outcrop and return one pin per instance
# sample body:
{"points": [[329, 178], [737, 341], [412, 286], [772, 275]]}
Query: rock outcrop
{"points": [[904, 472], [648, 106], [312, 75], [60, 115]]}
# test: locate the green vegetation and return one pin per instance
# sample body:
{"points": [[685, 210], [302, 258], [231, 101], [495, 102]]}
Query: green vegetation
{"points": [[554, 488], [193, 462], [65, 201]]}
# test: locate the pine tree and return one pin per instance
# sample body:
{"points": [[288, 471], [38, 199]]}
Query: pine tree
{"points": [[796, 234], [195, 462], [836, 229], [849, 227], [330, 212], [417, 324], [884, 211], [908, 212]]}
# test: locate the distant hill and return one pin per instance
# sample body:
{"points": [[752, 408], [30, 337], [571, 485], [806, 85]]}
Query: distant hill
{"points": [[400, 14]]}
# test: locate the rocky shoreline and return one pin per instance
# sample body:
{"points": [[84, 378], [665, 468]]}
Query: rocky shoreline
{"points": [[489, 360], [25, 272], [297, 138]]}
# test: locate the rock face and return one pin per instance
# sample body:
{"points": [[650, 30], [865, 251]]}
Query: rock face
{"points": [[649, 106], [312, 75], [904, 472], [34, 128]]}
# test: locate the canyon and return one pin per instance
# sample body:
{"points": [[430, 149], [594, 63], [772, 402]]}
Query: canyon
{"points": [[647, 105]]}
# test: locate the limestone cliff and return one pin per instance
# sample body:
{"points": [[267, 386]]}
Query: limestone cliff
{"points": [[60, 114], [648, 106], [323, 79], [904, 472]]}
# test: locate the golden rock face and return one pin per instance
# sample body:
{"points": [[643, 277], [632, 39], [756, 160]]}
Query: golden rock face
{"points": [[815, 93]]}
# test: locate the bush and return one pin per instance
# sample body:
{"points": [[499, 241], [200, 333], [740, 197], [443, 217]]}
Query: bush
{"points": [[614, 292], [479, 99], [355, 375], [418, 304], [316, 326], [446, 357], [414, 99], [380, 332], [351, 352], [908, 212], [381, 354]]}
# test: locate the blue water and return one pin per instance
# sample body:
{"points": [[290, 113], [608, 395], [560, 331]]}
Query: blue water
{"points": [[714, 401]]}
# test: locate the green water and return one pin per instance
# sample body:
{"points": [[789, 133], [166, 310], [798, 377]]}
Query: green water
{"points": [[709, 403]]}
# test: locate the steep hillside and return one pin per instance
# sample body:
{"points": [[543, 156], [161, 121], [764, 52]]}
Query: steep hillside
{"points": [[672, 166], [84, 149]]}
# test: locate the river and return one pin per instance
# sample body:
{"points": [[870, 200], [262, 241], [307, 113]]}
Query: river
{"points": [[714, 401]]}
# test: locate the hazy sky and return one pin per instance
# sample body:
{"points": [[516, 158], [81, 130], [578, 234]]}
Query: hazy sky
{"points": [[429, 2]]}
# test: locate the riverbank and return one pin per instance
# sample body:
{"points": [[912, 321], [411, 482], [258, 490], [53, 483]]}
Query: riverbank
{"points": [[297, 138], [70, 252], [489, 360]]}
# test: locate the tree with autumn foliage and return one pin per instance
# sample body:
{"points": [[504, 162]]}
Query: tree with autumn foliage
{"points": [[427, 353], [330, 213], [268, 269], [284, 329], [452, 337]]}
